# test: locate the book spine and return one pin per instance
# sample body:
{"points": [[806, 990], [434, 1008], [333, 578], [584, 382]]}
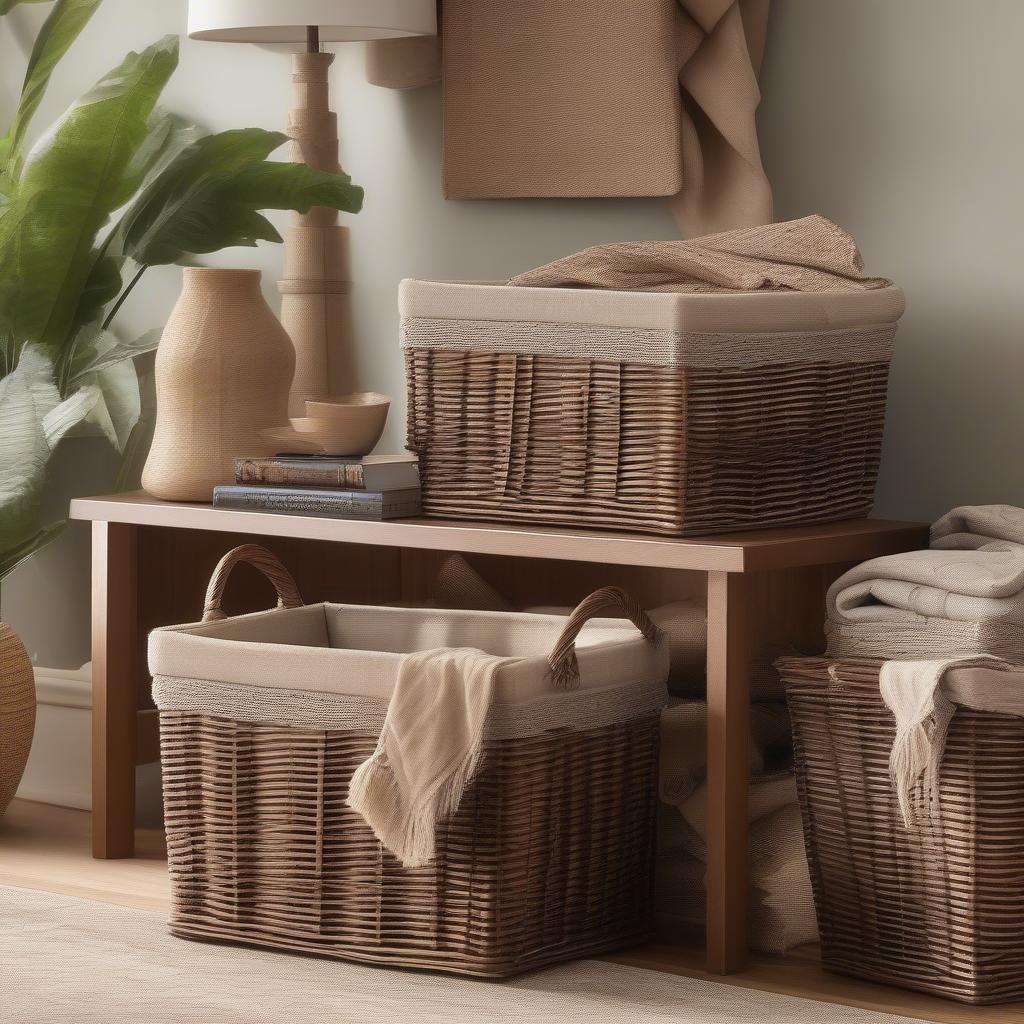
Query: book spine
{"points": [[346, 476], [368, 505]]}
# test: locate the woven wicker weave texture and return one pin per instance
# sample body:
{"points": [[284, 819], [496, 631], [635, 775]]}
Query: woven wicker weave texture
{"points": [[548, 857], [940, 909], [657, 449], [17, 712]]}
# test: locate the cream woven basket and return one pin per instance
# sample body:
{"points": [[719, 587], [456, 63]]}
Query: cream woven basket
{"points": [[666, 413], [264, 718]]}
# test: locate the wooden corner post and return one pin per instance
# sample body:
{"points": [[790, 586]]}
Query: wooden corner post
{"points": [[115, 657], [729, 669]]}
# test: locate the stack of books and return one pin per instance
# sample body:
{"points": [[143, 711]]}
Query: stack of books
{"points": [[373, 487]]}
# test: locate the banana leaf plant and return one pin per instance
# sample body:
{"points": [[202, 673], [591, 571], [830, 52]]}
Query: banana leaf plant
{"points": [[116, 186]]}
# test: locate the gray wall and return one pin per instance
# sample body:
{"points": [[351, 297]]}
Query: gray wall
{"points": [[902, 121]]}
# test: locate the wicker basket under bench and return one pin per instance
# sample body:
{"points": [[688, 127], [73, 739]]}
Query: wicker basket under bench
{"points": [[661, 413], [940, 907], [264, 718]]}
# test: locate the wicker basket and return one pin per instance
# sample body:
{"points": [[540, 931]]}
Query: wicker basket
{"points": [[662, 413], [265, 717], [939, 908]]}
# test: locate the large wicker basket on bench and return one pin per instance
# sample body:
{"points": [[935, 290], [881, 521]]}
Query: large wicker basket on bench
{"points": [[663, 413], [265, 717], [939, 907]]}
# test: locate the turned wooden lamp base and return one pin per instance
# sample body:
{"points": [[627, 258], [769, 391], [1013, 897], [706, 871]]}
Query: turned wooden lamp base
{"points": [[316, 286]]}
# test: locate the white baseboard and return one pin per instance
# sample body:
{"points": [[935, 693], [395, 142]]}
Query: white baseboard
{"points": [[59, 767]]}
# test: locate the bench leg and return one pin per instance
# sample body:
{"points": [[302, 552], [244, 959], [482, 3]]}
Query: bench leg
{"points": [[114, 694], [729, 671]]}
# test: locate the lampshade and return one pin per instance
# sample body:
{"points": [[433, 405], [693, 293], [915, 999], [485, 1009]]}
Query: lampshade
{"points": [[285, 21]]}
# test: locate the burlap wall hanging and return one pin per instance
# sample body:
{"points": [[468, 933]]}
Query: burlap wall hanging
{"points": [[545, 100]]}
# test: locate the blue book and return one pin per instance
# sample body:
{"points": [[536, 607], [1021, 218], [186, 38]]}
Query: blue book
{"points": [[309, 501]]}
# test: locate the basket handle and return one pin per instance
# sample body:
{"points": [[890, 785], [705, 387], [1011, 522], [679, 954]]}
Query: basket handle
{"points": [[260, 558], [565, 669]]}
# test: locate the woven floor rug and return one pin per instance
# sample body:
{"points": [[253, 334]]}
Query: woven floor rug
{"points": [[68, 960]]}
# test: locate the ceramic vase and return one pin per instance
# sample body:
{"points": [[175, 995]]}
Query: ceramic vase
{"points": [[223, 371], [17, 712]]}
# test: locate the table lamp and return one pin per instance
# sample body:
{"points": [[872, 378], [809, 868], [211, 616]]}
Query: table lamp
{"points": [[315, 300]]}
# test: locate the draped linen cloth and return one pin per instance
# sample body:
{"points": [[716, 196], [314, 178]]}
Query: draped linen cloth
{"points": [[923, 700], [811, 254], [429, 749], [652, 98]]}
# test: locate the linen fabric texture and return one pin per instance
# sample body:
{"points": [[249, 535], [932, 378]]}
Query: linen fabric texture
{"points": [[811, 254], [950, 622], [429, 749], [411, 678], [653, 98], [962, 596]]}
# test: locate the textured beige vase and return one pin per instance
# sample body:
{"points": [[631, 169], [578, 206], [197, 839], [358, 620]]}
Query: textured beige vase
{"points": [[17, 712], [223, 370]]}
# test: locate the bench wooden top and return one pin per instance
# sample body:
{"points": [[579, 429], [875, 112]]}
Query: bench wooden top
{"points": [[848, 541]]}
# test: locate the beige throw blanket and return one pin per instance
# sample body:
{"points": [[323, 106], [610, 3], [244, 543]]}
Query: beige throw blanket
{"points": [[923, 704], [429, 749], [807, 255], [970, 527], [963, 596], [543, 98]]}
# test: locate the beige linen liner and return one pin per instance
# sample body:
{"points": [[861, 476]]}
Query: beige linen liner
{"points": [[743, 312], [334, 667], [652, 328]]}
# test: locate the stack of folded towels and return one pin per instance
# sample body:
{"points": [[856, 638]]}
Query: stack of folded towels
{"points": [[782, 904], [962, 596]]}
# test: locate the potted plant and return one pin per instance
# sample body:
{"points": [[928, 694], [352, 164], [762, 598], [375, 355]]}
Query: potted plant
{"points": [[115, 186]]}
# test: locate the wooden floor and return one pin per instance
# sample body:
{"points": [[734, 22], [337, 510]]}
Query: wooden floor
{"points": [[47, 848]]}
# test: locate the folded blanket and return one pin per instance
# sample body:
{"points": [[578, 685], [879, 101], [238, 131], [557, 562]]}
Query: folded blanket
{"points": [[807, 255], [979, 526], [429, 749], [931, 604], [684, 750], [782, 903]]}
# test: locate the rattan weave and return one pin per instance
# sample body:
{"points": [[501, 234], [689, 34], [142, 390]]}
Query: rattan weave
{"points": [[658, 449], [548, 857], [17, 712], [940, 909]]}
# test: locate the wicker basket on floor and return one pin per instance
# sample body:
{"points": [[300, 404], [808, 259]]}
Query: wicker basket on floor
{"points": [[939, 908], [265, 717], [656, 412]]}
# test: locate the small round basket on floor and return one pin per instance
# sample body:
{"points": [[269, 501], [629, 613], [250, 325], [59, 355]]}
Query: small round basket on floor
{"points": [[265, 717], [939, 906]]}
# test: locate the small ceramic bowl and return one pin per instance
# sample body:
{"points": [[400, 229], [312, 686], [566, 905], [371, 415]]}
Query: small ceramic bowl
{"points": [[348, 424], [288, 439]]}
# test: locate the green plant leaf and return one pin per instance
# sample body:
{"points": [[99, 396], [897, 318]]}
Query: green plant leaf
{"points": [[101, 349], [118, 403], [208, 198], [73, 179], [59, 31], [27, 396], [12, 557]]}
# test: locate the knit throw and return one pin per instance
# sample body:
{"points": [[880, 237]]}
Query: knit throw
{"points": [[429, 750], [918, 695], [807, 255]]}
